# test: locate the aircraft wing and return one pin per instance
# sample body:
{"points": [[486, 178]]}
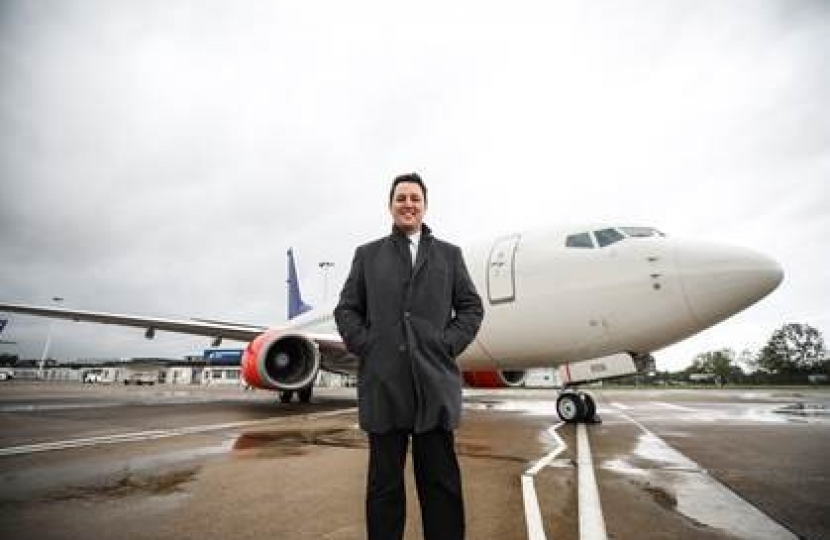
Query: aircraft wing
{"points": [[334, 355], [196, 327]]}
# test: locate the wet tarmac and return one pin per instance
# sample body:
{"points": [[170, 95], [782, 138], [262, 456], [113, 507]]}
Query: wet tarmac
{"points": [[111, 462]]}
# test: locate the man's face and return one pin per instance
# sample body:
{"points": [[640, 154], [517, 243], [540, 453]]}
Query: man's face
{"points": [[408, 207]]}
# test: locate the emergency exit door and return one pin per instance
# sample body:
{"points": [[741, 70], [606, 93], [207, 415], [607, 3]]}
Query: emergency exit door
{"points": [[501, 270]]}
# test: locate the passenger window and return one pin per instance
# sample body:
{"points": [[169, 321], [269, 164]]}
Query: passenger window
{"points": [[581, 240], [606, 237]]}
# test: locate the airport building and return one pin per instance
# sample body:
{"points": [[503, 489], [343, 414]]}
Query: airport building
{"points": [[214, 367]]}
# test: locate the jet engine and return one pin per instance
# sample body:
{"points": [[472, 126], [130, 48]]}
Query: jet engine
{"points": [[281, 361], [497, 378]]}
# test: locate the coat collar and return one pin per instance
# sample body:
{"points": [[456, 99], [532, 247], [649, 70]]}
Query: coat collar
{"points": [[399, 235], [402, 240]]}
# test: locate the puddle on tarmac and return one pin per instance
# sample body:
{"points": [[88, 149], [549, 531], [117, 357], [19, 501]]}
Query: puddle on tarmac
{"points": [[804, 410], [160, 474], [295, 442], [661, 496], [154, 461], [532, 407], [652, 453], [763, 414], [127, 485], [484, 451], [677, 483], [298, 442]]}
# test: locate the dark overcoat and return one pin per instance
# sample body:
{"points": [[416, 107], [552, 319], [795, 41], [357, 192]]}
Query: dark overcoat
{"points": [[407, 325]]}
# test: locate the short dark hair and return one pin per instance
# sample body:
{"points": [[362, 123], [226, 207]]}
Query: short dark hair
{"points": [[410, 177]]}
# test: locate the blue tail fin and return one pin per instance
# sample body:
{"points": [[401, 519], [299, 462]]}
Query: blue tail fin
{"points": [[296, 306]]}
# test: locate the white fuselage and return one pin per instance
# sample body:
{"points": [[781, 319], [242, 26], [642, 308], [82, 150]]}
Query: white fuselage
{"points": [[547, 304]]}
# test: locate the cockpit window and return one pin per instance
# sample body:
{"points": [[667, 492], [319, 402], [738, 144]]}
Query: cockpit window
{"points": [[641, 232], [606, 237], [581, 240]]}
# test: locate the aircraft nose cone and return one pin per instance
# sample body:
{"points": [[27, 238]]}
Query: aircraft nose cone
{"points": [[719, 281]]}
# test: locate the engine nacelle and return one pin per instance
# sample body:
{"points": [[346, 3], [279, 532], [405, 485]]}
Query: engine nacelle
{"points": [[497, 378], [279, 361]]}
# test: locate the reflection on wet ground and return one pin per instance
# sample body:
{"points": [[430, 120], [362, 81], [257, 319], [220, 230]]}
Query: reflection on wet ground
{"points": [[154, 473], [661, 496], [805, 409], [743, 413], [678, 484], [297, 442], [526, 406], [130, 484], [294, 442]]}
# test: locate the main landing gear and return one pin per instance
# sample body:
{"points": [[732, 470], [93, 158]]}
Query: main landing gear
{"points": [[573, 406], [303, 395]]}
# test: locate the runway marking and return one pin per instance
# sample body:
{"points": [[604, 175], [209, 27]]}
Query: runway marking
{"points": [[533, 517], [700, 496], [591, 522], [30, 407], [674, 406], [651, 405], [155, 434]]}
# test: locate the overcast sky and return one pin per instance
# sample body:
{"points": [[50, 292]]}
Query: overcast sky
{"points": [[159, 158]]}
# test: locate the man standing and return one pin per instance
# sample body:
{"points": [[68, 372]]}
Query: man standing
{"points": [[407, 309]]}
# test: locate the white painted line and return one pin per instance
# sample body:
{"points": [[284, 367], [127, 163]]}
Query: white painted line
{"points": [[674, 406], [620, 406], [545, 461], [591, 522], [533, 516], [30, 407], [154, 434], [700, 496]]}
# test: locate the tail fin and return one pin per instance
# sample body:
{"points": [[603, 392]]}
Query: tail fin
{"points": [[296, 306]]}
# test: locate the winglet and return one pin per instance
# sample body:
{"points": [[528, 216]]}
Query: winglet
{"points": [[296, 306]]}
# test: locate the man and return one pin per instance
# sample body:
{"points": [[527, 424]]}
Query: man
{"points": [[407, 309]]}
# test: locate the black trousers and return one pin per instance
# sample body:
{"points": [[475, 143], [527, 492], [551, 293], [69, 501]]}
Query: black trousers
{"points": [[437, 477]]}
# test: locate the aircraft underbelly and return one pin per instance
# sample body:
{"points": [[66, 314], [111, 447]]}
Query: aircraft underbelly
{"points": [[540, 332]]}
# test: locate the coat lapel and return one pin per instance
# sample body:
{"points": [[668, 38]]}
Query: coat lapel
{"points": [[423, 254], [401, 242]]}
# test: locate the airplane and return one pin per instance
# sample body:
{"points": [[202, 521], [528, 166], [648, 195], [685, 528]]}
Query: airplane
{"points": [[594, 301]]}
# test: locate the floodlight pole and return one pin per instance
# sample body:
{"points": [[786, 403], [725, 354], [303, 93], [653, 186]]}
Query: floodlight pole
{"points": [[325, 266], [57, 300]]}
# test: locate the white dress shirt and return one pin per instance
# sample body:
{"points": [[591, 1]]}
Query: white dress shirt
{"points": [[414, 240]]}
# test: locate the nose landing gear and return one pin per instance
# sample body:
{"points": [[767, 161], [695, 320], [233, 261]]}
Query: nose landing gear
{"points": [[573, 407]]}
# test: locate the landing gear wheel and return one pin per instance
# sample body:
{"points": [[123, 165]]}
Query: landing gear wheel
{"points": [[304, 395], [286, 396], [570, 407], [591, 415]]}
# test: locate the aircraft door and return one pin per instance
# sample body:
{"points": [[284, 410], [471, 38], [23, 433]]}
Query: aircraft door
{"points": [[501, 270]]}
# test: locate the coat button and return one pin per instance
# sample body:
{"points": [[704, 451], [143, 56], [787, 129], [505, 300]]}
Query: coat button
{"points": [[406, 314], [402, 347]]}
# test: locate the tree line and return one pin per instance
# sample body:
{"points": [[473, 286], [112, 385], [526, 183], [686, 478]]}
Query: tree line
{"points": [[794, 354]]}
